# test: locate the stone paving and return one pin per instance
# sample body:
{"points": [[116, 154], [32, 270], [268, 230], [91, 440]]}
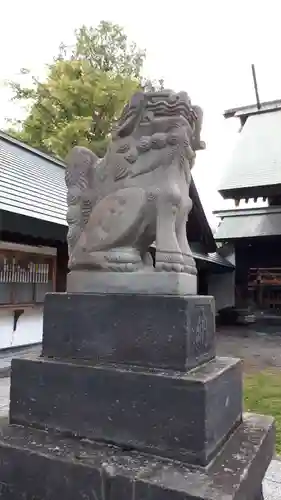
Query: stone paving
{"points": [[272, 482], [6, 357], [4, 396]]}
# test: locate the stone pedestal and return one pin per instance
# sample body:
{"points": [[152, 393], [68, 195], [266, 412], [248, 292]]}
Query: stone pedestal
{"points": [[128, 400], [177, 333]]}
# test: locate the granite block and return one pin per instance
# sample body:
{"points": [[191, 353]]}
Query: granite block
{"points": [[37, 465], [183, 416], [150, 331]]}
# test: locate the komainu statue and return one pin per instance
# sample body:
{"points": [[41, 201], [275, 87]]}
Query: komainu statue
{"points": [[139, 192]]}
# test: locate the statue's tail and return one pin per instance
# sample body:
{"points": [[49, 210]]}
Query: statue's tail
{"points": [[79, 179], [197, 143]]}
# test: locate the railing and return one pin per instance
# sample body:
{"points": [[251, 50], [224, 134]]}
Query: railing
{"points": [[265, 285], [267, 276]]}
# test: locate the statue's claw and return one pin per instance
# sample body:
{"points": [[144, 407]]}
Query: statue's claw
{"points": [[169, 262]]}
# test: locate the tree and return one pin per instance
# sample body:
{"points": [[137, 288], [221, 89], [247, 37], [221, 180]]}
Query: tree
{"points": [[106, 48], [84, 92]]}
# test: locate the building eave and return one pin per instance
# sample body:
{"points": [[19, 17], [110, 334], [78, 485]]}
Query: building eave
{"points": [[249, 224], [254, 192], [247, 211], [199, 213], [245, 111], [213, 258]]}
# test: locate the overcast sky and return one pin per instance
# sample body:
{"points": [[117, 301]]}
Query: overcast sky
{"points": [[205, 47]]}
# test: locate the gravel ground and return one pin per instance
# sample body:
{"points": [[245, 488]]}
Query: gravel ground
{"points": [[258, 351]]}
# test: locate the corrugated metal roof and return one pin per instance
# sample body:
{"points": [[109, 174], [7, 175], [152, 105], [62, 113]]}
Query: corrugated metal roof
{"points": [[256, 160], [249, 226], [31, 183]]}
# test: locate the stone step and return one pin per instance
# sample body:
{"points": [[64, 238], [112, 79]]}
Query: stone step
{"points": [[183, 416], [45, 465]]}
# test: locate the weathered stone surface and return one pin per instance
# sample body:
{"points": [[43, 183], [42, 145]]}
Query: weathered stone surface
{"points": [[139, 192], [46, 466], [184, 416], [151, 331], [142, 282]]}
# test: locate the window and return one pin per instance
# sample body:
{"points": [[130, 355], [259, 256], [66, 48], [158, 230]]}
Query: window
{"points": [[26, 273]]}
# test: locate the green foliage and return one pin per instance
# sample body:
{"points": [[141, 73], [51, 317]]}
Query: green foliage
{"points": [[106, 48], [85, 90], [262, 395]]}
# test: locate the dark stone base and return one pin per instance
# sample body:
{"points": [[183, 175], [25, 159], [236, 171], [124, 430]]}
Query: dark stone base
{"points": [[166, 332], [36, 465], [182, 416]]}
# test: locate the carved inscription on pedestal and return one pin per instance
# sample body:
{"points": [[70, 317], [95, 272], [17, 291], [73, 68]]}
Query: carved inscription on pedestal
{"points": [[201, 330], [201, 336]]}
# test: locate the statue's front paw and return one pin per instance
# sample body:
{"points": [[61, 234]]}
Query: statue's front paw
{"points": [[189, 264], [169, 262]]}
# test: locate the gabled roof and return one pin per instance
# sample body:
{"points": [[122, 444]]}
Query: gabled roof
{"points": [[32, 184], [255, 166], [248, 223]]}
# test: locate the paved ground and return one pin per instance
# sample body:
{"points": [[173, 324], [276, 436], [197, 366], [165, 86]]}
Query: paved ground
{"points": [[6, 357], [272, 482], [258, 351], [4, 396]]}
